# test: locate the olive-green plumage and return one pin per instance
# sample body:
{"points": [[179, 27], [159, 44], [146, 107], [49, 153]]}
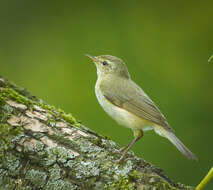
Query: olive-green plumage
{"points": [[128, 104]]}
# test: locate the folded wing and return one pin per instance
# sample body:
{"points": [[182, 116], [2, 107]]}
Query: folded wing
{"points": [[135, 101]]}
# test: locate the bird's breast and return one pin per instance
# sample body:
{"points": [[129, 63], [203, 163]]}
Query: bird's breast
{"points": [[122, 116]]}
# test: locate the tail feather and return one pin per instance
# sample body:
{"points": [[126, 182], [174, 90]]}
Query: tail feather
{"points": [[174, 140]]}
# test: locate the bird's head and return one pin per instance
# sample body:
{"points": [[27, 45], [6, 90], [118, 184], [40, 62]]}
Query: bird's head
{"points": [[108, 64]]}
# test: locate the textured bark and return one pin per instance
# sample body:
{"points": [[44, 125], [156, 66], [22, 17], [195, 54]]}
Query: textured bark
{"points": [[42, 147]]}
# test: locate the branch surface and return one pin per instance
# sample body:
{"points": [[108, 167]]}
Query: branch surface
{"points": [[42, 147]]}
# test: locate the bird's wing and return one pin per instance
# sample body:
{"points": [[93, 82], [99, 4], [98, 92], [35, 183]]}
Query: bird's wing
{"points": [[136, 102]]}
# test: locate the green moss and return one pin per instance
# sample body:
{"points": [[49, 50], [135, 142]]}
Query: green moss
{"points": [[55, 172], [150, 181], [58, 113], [60, 185], [4, 116], [128, 182], [96, 141], [49, 158], [186, 187], [153, 181], [123, 182], [2, 82], [7, 183], [7, 133], [36, 177], [49, 108], [2, 99], [68, 117], [12, 164], [7, 109], [51, 122], [107, 137], [21, 186], [160, 184], [134, 175], [12, 94], [20, 95]]}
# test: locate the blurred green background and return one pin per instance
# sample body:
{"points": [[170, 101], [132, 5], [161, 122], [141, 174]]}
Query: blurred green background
{"points": [[165, 44]]}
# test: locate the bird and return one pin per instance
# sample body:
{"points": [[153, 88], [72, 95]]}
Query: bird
{"points": [[126, 102]]}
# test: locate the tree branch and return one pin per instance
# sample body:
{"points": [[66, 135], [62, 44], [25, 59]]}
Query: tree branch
{"points": [[42, 147]]}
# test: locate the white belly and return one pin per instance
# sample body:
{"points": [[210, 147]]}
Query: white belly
{"points": [[122, 116]]}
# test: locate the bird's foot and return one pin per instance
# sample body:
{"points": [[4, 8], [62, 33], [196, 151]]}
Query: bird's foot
{"points": [[121, 150], [120, 160], [124, 151]]}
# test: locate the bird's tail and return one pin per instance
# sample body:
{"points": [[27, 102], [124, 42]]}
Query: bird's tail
{"points": [[175, 141]]}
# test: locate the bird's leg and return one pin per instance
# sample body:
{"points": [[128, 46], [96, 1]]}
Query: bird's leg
{"points": [[123, 148], [137, 134]]}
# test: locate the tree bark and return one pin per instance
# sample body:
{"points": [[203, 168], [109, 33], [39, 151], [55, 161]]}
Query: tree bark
{"points": [[42, 147]]}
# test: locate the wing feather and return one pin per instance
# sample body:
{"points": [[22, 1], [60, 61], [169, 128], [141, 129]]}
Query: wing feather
{"points": [[135, 101]]}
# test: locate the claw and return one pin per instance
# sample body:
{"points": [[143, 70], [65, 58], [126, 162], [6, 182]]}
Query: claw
{"points": [[122, 149], [121, 159]]}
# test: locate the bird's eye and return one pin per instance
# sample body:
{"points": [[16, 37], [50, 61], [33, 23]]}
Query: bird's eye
{"points": [[104, 63]]}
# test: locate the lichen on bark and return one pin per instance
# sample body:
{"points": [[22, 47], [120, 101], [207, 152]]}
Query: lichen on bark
{"points": [[42, 147]]}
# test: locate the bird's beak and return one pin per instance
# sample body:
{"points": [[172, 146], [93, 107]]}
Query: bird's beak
{"points": [[92, 57]]}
